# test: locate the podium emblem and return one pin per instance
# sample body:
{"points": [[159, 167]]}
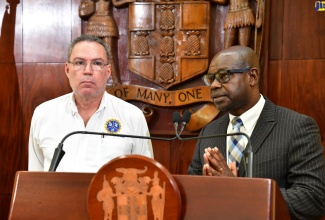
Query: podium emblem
{"points": [[133, 187]]}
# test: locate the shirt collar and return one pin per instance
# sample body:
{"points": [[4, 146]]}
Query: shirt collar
{"points": [[102, 105], [251, 116], [73, 106]]}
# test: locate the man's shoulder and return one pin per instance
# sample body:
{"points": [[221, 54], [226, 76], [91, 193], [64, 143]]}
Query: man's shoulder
{"points": [[217, 123], [54, 103], [280, 113], [121, 104]]}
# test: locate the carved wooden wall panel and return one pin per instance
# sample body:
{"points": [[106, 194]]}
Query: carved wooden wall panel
{"points": [[11, 118], [276, 29], [304, 32], [11, 32], [297, 85], [11, 126], [162, 151], [273, 81], [42, 82], [181, 155], [48, 27], [297, 48]]}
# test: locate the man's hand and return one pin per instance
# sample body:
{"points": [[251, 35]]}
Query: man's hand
{"points": [[216, 165]]}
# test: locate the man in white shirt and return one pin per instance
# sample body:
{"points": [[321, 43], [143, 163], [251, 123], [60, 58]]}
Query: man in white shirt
{"points": [[88, 108]]}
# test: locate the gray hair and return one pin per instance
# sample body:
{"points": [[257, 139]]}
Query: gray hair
{"points": [[89, 38]]}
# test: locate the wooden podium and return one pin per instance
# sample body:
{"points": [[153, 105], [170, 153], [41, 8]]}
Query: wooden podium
{"points": [[50, 195]]}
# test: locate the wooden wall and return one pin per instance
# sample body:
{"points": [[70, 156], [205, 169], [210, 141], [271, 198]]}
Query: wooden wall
{"points": [[297, 59], [33, 44]]}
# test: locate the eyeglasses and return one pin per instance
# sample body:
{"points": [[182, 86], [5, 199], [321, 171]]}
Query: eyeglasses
{"points": [[96, 65], [222, 76]]}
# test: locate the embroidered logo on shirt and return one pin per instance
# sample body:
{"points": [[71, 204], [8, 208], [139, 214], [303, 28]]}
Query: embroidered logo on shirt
{"points": [[113, 126]]}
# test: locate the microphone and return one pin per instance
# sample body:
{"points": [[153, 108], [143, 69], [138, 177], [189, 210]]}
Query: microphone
{"points": [[177, 119], [248, 153], [185, 119], [59, 152]]}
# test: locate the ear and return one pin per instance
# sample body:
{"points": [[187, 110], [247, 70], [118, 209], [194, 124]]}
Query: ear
{"points": [[109, 71], [254, 76], [66, 69]]}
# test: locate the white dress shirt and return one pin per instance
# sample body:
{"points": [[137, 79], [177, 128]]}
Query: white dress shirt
{"points": [[249, 119], [56, 118]]}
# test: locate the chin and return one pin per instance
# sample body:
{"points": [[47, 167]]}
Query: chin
{"points": [[221, 107]]}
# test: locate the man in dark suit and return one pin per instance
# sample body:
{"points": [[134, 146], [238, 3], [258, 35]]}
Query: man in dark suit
{"points": [[287, 145]]}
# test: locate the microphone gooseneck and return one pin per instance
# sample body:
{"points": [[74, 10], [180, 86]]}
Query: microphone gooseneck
{"points": [[176, 120], [59, 152]]}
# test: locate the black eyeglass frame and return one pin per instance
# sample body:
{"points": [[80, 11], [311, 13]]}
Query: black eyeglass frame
{"points": [[227, 73]]}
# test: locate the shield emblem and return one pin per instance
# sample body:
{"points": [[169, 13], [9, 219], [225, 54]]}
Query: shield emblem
{"points": [[168, 41], [132, 207]]}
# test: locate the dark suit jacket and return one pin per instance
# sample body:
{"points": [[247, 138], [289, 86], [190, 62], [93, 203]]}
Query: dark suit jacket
{"points": [[287, 147]]}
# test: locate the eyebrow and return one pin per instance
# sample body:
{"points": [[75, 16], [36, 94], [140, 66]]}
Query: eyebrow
{"points": [[95, 59]]}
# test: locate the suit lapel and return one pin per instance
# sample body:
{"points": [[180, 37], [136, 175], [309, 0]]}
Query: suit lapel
{"points": [[222, 142], [264, 126]]}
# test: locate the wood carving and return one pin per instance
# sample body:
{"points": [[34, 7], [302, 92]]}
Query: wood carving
{"points": [[177, 35], [140, 45], [133, 187], [101, 23], [131, 192], [174, 44], [193, 43], [105, 195], [239, 22], [168, 45]]}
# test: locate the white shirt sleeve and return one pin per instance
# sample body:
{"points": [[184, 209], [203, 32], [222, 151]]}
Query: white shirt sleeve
{"points": [[35, 154], [142, 146]]}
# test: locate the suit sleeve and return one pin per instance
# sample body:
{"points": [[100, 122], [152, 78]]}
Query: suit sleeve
{"points": [[195, 168], [305, 193]]}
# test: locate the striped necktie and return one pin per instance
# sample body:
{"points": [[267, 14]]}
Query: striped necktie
{"points": [[236, 149]]}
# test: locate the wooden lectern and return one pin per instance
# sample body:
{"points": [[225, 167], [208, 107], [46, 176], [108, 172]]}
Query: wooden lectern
{"points": [[50, 195]]}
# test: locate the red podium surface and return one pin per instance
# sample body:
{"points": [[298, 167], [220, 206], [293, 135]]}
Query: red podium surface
{"points": [[138, 187]]}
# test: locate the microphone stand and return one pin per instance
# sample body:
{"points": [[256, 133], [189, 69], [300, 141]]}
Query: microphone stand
{"points": [[59, 152]]}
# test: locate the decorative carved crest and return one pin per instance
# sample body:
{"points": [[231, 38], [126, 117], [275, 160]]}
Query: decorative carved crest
{"points": [[132, 193], [133, 187], [169, 43], [166, 45]]}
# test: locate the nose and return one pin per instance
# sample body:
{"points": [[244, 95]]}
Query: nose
{"points": [[88, 68], [215, 84]]}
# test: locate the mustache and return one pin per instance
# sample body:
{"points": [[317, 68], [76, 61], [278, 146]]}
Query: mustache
{"points": [[217, 93], [87, 79]]}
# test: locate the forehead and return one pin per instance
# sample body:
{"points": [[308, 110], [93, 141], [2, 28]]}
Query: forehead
{"points": [[88, 50], [224, 61]]}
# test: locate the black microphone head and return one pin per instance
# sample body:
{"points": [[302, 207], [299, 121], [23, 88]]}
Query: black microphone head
{"points": [[186, 116], [176, 117]]}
